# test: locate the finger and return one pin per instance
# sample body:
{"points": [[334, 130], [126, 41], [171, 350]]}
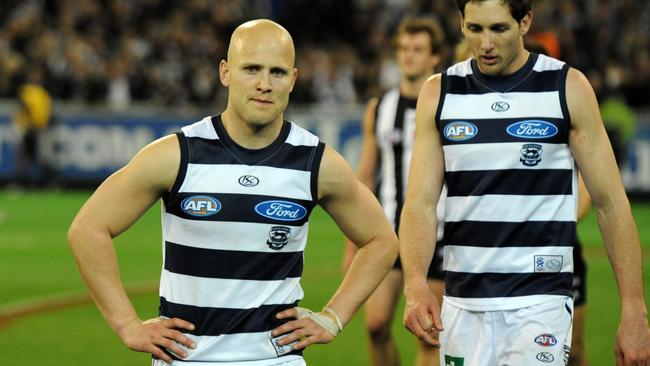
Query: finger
{"points": [[292, 337], [172, 347], [286, 328], [178, 324], [159, 354], [289, 313], [180, 338], [316, 338]]}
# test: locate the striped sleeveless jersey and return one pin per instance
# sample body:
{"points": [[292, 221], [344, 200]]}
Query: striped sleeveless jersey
{"points": [[512, 185], [234, 230]]}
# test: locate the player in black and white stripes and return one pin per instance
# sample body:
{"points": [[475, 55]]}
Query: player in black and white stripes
{"points": [[237, 191], [506, 131]]}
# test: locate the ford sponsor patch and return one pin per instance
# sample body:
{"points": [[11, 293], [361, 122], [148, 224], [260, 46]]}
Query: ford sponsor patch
{"points": [[281, 210], [460, 131], [546, 340], [532, 129], [200, 206]]}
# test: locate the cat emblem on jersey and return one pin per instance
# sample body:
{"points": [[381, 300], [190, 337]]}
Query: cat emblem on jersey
{"points": [[278, 237], [531, 154]]}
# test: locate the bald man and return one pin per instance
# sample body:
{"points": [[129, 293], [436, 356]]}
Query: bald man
{"points": [[237, 190]]}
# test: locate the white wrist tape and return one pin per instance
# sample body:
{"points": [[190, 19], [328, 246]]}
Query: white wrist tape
{"points": [[321, 319]]}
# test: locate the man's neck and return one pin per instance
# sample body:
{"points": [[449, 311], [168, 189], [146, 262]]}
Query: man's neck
{"points": [[249, 135], [410, 88]]}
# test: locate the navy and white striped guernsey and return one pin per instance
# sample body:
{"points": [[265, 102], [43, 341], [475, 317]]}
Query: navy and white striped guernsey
{"points": [[234, 230], [512, 185]]}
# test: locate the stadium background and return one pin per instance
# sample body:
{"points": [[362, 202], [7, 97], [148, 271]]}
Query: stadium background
{"points": [[122, 73]]}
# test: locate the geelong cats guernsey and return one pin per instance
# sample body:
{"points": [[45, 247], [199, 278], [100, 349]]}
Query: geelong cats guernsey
{"points": [[234, 230], [510, 219]]}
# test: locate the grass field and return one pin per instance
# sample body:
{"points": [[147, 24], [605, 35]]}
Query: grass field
{"points": [[36, 267]]}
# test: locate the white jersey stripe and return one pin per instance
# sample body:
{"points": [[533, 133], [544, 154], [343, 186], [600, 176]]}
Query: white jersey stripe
{"points": [[511, 208], [491, 156], [202, 128], [223, 178], [228, 293], [501, 303], [522, 105], [512, 259], [241, 236]]}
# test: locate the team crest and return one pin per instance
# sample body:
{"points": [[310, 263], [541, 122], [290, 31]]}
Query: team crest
{"points": [[531, 154], [278, 237]]}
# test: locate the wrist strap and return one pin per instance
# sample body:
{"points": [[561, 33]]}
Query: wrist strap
{"points": [[338, 320]]}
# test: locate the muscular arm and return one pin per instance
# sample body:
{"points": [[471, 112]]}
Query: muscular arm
{"points": [[418, 222], [358, 214], [593, 154], [114, 207], [367, 167]]}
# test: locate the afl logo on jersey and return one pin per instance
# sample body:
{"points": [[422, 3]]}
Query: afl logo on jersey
{"points": [[546, 340], [281, 210], [460, 131], [201, 206], [248, 180], [532, 129]]}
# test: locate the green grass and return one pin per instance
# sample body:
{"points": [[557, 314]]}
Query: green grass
{"points": [[35, 263]]}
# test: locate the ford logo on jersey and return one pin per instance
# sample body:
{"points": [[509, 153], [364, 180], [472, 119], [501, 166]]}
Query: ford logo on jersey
{"points": [[532, 129], [281, 210], [201, 206], [460, 131]]}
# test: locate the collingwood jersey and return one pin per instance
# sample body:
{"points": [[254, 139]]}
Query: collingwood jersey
{"points": [[395, 133], [394, 130], [510, 220], [234, 230]]}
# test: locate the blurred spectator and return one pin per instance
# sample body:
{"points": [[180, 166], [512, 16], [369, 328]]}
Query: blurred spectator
{"points": [[166, 52], [31, 119]]}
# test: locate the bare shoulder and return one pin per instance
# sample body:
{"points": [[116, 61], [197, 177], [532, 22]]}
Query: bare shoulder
{"points": [[581, 99], [431, 88], [157, 164], [335, 174]]}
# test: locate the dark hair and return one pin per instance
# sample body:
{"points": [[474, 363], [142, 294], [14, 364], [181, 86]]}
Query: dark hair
{"points": [[411, 25], [518, 8]]}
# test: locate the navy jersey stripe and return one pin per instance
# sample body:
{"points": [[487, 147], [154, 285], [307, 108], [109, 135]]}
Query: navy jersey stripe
{"points": [[241, 208], [542, 81], [481, 285], [206, 151], [218, 321], [496, 130], [232, 264], [511, 181], [508, 234]]}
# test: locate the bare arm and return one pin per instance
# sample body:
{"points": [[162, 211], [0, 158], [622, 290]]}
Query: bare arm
{"points": [[358, 214], [367, 167], [584, 199], [114, 207], [418, 222], [593, 153]]}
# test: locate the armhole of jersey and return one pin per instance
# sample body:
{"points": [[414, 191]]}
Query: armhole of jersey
{"points": [[170, 197], [561, 87], [441, 99], [316, 158]]}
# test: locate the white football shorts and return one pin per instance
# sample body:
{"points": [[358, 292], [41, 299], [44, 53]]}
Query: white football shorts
{"points": [[282, 361], [538, 335]]}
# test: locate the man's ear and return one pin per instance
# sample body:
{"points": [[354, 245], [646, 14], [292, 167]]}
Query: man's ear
{"points": [[525, 23], [224, 73]]}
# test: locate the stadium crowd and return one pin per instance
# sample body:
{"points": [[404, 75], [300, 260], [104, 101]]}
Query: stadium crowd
{"points": [[166, 52]]}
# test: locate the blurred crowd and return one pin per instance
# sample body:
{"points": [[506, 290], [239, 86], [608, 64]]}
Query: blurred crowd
{"points": [[117, 52]]}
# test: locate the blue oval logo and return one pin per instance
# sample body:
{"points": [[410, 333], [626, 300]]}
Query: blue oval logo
{"points": [[201, 206], [532, 129], [460, 131], [281, 210]]}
